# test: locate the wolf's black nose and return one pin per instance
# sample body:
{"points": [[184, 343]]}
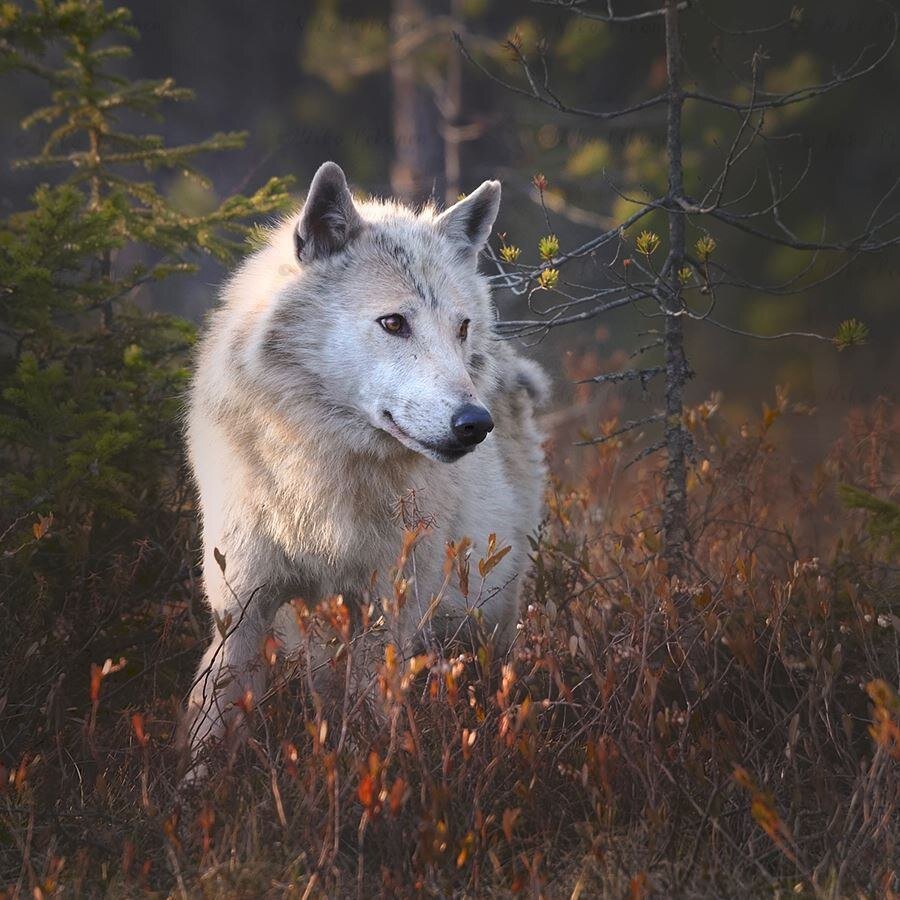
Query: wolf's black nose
{"points": [[471, 424]]}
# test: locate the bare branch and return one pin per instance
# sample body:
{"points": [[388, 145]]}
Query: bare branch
{"points": [[735, 152], [574, 6], [863, 243], [769, 337], [628, 426], [646, 348], [549, 99], [783, 289], [642, 375], [776, 200], [746, 31], [853, 72], [573, 301], [527, 327], [647, 451]]}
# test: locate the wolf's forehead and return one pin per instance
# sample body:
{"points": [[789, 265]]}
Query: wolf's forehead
{"points": [[419, 263]]}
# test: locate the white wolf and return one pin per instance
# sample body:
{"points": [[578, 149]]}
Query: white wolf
{"points": [[352, 362]]}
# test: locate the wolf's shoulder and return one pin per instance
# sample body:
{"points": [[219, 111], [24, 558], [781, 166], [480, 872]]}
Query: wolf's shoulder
{"points": [[518, 374], [531, 377]]}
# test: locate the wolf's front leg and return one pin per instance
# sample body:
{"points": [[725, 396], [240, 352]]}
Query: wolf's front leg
{"points": [[233, 664]]}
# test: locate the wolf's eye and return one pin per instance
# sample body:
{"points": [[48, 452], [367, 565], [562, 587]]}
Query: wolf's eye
{"points": [[464, 330], [395, 324]]}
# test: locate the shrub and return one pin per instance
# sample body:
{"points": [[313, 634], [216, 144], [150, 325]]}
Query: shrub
{"points": [[734, 735]]}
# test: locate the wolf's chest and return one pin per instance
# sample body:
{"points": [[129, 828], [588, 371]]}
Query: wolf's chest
{"points": [[336, 525]]}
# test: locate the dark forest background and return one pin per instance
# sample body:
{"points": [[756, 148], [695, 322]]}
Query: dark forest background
{"points": [[722, 721], [316, 81]]}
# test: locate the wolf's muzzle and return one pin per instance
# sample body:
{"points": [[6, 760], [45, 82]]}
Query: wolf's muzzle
{"points": [[471, 424]]}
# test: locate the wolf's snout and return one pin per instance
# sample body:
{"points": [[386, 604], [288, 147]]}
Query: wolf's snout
{"points": [[471, 424]]}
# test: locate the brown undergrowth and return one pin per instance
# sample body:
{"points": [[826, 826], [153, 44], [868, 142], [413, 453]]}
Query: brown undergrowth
{"points": [[736, 735]]}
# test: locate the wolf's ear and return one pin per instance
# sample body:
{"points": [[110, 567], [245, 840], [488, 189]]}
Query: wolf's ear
{"points": [[468, 223], [329, 218]]}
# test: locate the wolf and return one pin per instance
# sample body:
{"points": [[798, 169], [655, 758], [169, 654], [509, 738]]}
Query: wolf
{"points": [[352, 363]]}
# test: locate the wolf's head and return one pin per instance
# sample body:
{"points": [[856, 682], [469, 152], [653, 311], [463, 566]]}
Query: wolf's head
{"points": [[385, 323]]}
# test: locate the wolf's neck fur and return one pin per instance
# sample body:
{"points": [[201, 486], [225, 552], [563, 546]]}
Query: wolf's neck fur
{"points": [[325, 491]]}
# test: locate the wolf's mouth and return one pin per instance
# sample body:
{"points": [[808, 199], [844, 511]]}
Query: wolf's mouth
{"points": [[449, 452]]}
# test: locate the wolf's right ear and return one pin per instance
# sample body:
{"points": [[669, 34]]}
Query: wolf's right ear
{"points": [[468, 223], [329, 219]]}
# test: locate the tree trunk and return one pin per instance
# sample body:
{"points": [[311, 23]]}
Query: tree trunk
{"points": [[452, 114], [675, 529], [417, 170]]}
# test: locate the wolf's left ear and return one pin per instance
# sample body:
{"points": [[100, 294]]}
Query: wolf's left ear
{"points": [[468, 223], [329, 218]]}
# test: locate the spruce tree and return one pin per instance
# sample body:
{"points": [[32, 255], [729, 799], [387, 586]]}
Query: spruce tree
{"points": [[90, 383]]}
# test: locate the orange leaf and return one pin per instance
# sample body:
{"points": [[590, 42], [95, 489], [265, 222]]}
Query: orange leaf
{"points": [[42, 526], [485, 566], [462, 565], [366, 791], [509, 822], [271, 646], [638, 887], [137, 724], [397, 796], [96, 681]]}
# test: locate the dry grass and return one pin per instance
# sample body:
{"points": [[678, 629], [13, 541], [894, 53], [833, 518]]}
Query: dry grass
{"points": [[738, 735]]}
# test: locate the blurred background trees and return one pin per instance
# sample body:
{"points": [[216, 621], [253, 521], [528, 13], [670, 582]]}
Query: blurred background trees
{"points": [[315, 82], [384, 90]]}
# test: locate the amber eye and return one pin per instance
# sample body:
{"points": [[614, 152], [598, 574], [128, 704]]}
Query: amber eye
{"points": [[464, 330], [394, 324]]}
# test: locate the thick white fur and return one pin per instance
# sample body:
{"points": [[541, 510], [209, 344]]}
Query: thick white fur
{"points": [[298, 470]]}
